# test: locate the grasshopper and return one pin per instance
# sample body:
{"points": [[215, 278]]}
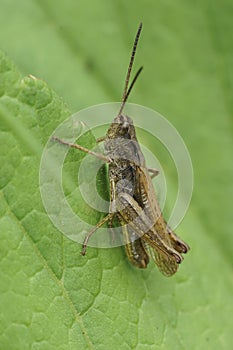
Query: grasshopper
{"points": [[133, 199]]}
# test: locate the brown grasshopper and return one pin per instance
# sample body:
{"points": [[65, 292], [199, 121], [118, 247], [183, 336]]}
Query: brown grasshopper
{"points": [[132, 196]]}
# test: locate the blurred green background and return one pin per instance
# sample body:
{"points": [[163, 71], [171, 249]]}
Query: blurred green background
{"points": [[81, 50]]}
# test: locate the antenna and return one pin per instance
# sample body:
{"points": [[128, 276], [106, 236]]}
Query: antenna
{"points": [[127, 91]]}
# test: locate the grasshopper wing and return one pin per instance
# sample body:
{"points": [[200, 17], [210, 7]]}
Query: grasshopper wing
{"points": [[166, 263]]}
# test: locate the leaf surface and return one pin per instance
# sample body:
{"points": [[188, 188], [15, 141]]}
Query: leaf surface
{"points": [[51, 297]]}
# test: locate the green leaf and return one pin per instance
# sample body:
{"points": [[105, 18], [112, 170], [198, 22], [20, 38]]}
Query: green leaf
{"points": [[51, 297]]}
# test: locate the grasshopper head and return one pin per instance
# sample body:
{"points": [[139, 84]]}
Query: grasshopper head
{"points": [[122, 127]]}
